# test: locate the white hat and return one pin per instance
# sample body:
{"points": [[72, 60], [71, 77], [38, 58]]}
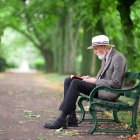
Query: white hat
{"points": [[100, 40]]}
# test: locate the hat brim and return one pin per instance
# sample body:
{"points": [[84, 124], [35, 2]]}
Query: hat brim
{"points": [[110, 45]]}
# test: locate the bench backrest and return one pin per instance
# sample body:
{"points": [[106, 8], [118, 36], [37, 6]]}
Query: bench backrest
{"points": [[129, 76], [132, 76]]}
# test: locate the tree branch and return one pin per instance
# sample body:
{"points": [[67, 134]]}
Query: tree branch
{"points": [[26, 35]]}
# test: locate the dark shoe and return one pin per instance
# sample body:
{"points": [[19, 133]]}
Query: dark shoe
{"points": [[73, 122], [57, 124]]}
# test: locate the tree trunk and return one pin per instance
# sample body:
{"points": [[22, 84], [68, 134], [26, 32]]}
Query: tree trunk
{"points": [[98, 29], [72, 41], [70, 46], [66, 58], [93, 65], [48, 57], [1, 34], [86, 54], [127, 26], [59, 40]]}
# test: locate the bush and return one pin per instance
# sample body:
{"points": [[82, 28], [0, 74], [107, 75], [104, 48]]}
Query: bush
{"points": [[40, 65], [11, 65]]}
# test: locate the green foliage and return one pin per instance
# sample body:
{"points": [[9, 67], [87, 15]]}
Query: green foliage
{"points": [[39, 65], [15, 48], [59, 26], [11, 65]]}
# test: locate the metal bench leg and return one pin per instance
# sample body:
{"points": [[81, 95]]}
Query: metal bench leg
{"points": [[81, 99], [94, 119], [116, 119], [134, 116]]}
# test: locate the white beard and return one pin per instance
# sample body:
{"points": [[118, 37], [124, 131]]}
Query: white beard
{"points": [[101, 57]]}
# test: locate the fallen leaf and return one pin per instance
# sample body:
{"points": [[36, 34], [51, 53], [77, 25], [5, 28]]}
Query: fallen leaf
{"points": [[121, 137], [57, 131]]}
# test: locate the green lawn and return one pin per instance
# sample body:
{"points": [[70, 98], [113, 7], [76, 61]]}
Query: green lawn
{"points": [[54, 77]]}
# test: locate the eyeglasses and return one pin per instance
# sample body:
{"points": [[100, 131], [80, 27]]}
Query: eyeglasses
{"points": [[95, 48]]}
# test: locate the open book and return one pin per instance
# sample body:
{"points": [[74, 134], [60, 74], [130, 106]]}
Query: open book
{"points": [[76, 77]]}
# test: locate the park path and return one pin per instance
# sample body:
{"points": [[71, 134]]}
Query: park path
{"points": [[29, 100]]}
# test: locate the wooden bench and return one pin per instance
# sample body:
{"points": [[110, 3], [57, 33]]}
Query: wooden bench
{"points": [[132, 93]]}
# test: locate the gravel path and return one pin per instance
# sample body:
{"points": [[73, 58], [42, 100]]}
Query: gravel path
{"points": [[27, 101]]}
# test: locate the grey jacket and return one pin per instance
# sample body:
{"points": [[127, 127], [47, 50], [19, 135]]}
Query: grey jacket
{"points": [[111, 75]]}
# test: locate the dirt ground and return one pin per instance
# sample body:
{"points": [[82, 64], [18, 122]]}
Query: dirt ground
{"points": [[27, 101]]}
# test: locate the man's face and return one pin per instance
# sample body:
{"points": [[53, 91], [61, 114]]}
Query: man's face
{"points": [[100, 51]]}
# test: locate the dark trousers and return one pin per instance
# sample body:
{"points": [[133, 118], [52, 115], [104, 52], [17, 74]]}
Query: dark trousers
{"points": [[72, 88]]}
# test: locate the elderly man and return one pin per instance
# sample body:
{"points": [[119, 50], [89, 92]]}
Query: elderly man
{"points": [[110, 74]]}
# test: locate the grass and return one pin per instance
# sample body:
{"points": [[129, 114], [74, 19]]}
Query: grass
{"points": [[127, 116], [126, 119], [54, 77]]}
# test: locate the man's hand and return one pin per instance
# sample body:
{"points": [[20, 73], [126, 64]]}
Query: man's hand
{"points": [[89, 79], [84, 77]]}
